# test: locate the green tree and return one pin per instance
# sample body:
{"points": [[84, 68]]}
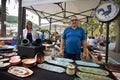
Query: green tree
{"points": [[3, 14], [117, 45]]}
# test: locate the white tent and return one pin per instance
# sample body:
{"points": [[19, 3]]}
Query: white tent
{"points": [[57, 23], [56, 27], [60, 10]]}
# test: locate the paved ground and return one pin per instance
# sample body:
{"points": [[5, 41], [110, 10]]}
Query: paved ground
{"points": [[115, 56]]}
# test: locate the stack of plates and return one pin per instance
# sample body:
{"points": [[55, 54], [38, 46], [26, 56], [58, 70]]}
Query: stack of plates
{"points": [[4, 65]]}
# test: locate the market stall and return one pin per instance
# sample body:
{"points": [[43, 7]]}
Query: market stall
{"points": [[57, 69]]}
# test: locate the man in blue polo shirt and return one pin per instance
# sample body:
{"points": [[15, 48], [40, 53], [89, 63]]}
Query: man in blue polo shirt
{"points": [[72, 40]]}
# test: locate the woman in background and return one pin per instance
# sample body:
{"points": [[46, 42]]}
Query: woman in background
{"points": [[29, 33]]}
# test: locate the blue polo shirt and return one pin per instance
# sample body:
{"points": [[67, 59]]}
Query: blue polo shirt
{"points": [[73, 40]]}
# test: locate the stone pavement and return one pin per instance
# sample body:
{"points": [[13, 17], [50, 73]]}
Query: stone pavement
{"points": [[112, 54]]}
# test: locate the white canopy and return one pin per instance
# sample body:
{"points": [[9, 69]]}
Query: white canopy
{"points": [[26, 3], [60, 10], [55, 24]]}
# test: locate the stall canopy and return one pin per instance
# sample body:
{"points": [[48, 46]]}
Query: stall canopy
{"points": [[61, 10]]}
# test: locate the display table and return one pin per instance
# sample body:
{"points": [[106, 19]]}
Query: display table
{"points": [[8, 41], [6, 38], [41, 74]]}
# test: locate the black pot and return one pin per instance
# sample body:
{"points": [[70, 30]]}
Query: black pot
{"points": [[25, 42]]}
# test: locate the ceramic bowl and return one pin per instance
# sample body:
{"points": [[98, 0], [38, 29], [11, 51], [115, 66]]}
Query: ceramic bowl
{"points": [[29, 62]]}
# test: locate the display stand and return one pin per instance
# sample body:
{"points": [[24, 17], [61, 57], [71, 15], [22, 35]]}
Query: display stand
{"points": [[106, 12]]}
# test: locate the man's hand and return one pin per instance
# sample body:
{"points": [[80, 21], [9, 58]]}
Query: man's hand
{"points": [[84, 54], [61, 53], [85, 50]]}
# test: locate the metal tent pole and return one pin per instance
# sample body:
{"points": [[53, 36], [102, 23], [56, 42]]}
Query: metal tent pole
{"points": [[19, 22], [107, 41], [50, 27]]}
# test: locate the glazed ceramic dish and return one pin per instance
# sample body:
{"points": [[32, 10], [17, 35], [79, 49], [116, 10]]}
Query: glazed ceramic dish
{"points": [[9, 54], [15, 60], [87, 76], [117, 75], [4, 65], [57, 62], [51, 68], [30, 62], [63, 59], [113, 67], [4, 59], [93, 70], [97, 51], [20, 71], [1, 56], [78, 62], [47, 58]]}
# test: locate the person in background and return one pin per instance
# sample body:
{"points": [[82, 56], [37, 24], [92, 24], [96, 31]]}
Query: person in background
{"points": [[46, 35], [41, 35], [92, 42], [73, 40], [101, 41], [97, 38], [29, 33]]}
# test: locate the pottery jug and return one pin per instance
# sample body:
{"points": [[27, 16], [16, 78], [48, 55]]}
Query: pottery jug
{"points": [[70, 69]]}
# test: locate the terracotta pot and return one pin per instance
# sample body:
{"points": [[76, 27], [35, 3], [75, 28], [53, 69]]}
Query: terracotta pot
{"points": [[99, 57], [40, 57]]}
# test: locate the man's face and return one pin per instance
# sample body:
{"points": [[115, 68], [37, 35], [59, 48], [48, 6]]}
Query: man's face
{"points": [[74, 21]]}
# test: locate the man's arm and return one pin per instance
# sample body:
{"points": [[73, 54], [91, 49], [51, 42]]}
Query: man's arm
{"points": [[84, 43], [61, 46]]}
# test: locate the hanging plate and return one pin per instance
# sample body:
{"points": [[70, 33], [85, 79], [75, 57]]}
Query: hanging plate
{"points": [[107, 11]]}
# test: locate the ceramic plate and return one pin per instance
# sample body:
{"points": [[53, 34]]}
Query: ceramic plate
{"points": [[63, 59], [117, 75], [78, 62], [1, 56], [47, 58], [4, 65], [113, 67], [57, 62], [20, 71], [9, 54], [87, 76], [93, 70], [97, 51], [4, 59], [51, 68]]}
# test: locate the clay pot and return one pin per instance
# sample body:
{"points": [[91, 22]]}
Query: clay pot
{"points": [[40, 57], [99, 57], [25, 42]]}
